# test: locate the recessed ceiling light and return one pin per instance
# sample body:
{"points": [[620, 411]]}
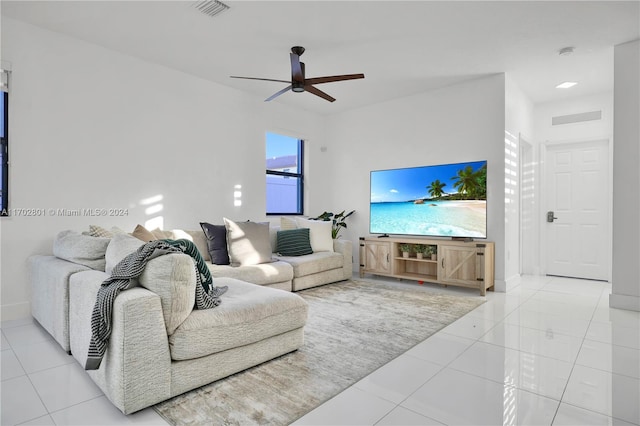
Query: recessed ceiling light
{"points": [[566, 85]]}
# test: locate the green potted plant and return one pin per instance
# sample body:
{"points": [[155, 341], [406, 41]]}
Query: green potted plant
{"points": [[421, 250], [337, 219], [433, 252], [405, 249]]}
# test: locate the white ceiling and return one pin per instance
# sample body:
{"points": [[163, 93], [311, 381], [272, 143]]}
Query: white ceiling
{"points": [[403, 48]]}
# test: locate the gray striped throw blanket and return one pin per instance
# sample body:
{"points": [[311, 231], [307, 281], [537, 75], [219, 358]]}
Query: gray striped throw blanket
{"points": [[122, 278]]}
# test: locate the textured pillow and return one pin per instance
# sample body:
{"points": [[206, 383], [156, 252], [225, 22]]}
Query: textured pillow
{"points": [[216, 243], [120, 246], [143, 234], [294, 242], [319, 233], [288, 223], [159, 234], [81, 249], [99, 231], [248, 242]]}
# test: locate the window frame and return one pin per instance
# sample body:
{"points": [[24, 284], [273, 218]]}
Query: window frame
{"points": [[298, 175]]}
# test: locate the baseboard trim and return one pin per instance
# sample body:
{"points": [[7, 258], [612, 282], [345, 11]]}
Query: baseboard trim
{"points": [[624, 301], [15, 311], [503, 286]]}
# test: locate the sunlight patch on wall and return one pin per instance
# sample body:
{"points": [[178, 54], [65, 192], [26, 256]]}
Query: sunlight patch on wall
{"points": [[237, 195], [153, 208]]}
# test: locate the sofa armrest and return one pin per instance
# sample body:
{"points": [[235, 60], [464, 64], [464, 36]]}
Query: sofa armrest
{"points": [[136, 369], [345, 247]]}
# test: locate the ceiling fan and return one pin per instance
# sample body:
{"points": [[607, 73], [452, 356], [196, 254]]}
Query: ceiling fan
{"points": [[299, 83]]}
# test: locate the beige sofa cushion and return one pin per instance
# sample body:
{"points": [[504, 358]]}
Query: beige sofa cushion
{"points": [[197, 237], [173, 278], [263, 274], [248, 313], [319, 233], [314, 263]]}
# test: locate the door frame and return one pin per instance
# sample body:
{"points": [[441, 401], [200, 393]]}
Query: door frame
{"points": [[525, 150], [543, 201]]}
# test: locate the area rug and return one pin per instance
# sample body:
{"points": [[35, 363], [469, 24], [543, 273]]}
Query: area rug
{"points": [[354, 327]]}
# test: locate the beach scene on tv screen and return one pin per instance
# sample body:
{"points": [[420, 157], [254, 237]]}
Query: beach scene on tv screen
{"points": [[448, 200]]}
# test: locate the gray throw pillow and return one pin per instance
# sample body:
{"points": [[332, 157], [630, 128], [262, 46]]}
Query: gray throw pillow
{"points": [[248, 242], [120, 246], [216, 243]]}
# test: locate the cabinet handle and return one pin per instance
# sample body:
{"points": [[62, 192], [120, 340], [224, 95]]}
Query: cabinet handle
{"points": [[387, 257], [442, 263]]}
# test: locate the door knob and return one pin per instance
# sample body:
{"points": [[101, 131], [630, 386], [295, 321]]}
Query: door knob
{"points": [[550, 216]]}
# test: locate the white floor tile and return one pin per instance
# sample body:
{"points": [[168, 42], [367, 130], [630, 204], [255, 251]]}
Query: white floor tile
{"points": [[351, 407], [399, 378], [10, 365], [17, 322], [569, 415], [441, 348], [575, 287], [493, 310], [606, 393], [40, 421], [604, 356], [20, 402], [578, 310], [404, 417], [534, 281], [42, 355], [469, 327], [564, 324], [545, 343], [454, 397], [4, 343], [100, 411], [28, 334], [618, 316], [614, 333], [64, 386], [534, 373]]}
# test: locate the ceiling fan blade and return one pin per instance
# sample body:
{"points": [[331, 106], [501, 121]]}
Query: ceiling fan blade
{"points": [[296, 69], [329, 79], [318, 92], [275, 95], [262, 79]]}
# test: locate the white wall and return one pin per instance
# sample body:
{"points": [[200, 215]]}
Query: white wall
{"points": [[626, 178], [92, 128], [458, 123], [518, 122]]}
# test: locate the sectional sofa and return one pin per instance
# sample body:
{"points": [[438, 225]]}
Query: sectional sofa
{"points": [[160, 345]]}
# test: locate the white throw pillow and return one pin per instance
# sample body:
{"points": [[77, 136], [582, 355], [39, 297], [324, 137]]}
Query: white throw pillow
{"points": [[287, 223], [319, 233], [120, 246], [248, 243], [81, 249]]}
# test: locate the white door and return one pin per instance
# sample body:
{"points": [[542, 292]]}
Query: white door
{"points": [[577, 210]]}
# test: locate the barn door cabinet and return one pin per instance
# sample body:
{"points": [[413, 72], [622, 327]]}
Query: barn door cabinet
{"points": [[458, 263]]}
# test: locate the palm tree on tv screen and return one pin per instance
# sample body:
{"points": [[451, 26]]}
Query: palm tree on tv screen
{"points": [[436, 188], [471, 184]]}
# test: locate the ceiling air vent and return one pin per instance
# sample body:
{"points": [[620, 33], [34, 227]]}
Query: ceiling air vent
{"points": [[576, 118], [210, 7]]}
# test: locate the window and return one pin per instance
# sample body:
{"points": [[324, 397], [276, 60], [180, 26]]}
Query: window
{"points": [[4, 146], [285, 157]]}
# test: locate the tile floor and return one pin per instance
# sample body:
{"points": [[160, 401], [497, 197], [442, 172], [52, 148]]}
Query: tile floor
{"points": [[550, 351]]}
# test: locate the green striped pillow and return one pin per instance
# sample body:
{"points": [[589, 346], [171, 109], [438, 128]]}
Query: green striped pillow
{"points": [[293, 242]]}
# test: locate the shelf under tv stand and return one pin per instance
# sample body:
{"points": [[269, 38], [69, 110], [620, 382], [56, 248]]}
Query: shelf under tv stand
{"points": [[459, 263]]}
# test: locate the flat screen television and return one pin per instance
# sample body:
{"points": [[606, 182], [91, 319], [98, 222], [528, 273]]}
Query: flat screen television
{"points": [[447, 200]]}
